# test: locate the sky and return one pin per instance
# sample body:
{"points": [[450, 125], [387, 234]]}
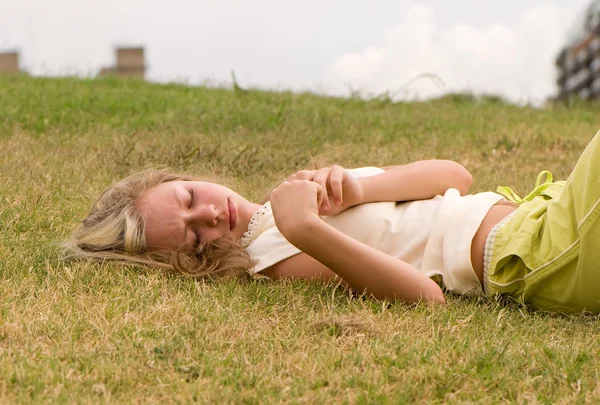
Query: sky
{"points": [[407, 49]]}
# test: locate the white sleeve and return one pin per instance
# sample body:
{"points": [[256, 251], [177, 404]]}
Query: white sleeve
{"points": [[271, 247]]}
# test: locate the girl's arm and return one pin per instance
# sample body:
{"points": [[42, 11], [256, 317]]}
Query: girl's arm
{"points": [[295, 207], [414, 181]]}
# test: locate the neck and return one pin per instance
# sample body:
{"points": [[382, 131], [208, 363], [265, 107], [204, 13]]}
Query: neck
{"points": [[246, 216]]}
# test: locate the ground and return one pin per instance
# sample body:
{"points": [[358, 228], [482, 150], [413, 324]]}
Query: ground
{"points": [[91, 333]]}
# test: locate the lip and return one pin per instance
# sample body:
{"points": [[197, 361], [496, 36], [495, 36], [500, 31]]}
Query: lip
{"points": [[232, 214]]}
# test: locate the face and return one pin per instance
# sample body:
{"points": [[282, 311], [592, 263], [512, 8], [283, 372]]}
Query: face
{"points": [[183, 214]]}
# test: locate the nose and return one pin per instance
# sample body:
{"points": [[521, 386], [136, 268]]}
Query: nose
{"points": [[203, 215]]}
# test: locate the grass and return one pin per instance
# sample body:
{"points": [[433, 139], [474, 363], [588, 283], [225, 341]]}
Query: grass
{"points": [[87, 333]]}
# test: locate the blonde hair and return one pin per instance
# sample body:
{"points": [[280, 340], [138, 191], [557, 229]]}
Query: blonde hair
{"points": [[114, 229]]}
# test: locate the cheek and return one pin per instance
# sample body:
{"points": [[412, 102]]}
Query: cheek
{"points": [[160, 238], [211, 234], [213, 195]]}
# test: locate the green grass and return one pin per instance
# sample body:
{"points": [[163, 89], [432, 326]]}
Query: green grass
{"points": [[89, 333]]}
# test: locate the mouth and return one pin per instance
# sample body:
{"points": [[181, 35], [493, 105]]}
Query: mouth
{"points": [[232, 214]]}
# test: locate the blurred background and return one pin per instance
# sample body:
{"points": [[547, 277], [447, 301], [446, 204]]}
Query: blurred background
{"points": [[405, 49]]}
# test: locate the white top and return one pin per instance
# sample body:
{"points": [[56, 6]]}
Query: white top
{"points": [[432, 235]]}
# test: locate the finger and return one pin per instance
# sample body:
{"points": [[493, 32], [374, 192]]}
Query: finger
{"points": [[303, 175], [336, 179], [320, 194], [321, 178]]}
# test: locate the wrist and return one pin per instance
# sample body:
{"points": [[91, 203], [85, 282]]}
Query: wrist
{"points": [[300, 231], [362, 193]]}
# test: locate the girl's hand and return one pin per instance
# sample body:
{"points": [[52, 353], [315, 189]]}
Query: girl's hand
{"points": [[295, 204], [343, 190]]}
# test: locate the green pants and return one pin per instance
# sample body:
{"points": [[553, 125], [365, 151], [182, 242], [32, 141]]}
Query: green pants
{"points": [[547, 253]]}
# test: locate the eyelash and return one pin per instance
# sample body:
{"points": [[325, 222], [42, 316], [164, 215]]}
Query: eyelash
{"points": [[197, 242], [191, 198]]}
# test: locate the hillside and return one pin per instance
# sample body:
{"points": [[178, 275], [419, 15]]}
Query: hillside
{"points": [[88, 333]]}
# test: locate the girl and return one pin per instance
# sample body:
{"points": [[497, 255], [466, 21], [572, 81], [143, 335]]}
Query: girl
{"points": [[400, 232]]}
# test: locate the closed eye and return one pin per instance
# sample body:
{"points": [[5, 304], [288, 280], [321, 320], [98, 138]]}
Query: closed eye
{"points": [[191, 198], [196, 233], [197, 240]]}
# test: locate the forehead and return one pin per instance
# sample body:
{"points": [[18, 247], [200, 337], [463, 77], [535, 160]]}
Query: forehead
{"points": [[161, 208], [160, 192], [165, 192]]}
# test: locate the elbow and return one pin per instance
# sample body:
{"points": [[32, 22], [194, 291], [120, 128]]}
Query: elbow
{"points": [[434, 295], [461, 178], [439, 298], [467, 181]]}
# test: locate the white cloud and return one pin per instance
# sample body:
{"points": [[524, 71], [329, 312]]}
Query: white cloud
{"points": [[313, 45], [514, 61]]}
